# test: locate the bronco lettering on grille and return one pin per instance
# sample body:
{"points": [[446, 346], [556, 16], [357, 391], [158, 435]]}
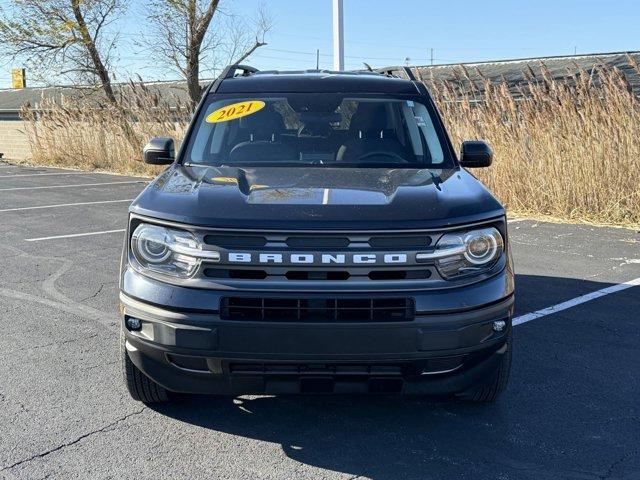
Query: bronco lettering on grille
{"points": [[312, 258]]}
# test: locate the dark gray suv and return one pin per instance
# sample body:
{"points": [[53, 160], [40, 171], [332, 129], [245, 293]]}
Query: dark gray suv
{"points": [[316, 233]]}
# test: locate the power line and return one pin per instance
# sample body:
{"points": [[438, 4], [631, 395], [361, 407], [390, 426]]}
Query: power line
{"points": [[355, 57], [412, 47], [361, 42], [271, 57]]}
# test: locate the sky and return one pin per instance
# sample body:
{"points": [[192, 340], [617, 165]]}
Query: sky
{"points": [[405, 31]]}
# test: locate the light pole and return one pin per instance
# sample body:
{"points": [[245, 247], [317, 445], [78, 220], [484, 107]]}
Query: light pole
{"points": [[338, 36]]}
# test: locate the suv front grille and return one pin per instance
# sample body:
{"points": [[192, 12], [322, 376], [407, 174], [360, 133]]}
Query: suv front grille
{"points": [[274, 274], [319, 241], [317, 275], [317, 310], [315, 369]]}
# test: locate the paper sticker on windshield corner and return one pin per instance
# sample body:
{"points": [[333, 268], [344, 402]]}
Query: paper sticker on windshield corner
{"points": [[235, 110], [420, 121]]}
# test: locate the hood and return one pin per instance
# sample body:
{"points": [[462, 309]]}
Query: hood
{"points": [[317, 198]]}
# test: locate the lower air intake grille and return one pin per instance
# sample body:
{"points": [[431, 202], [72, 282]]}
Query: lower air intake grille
{"points": [[317, 310]]}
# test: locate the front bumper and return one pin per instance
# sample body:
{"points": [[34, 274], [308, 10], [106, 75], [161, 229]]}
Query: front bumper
{"points": [[442, 351]]}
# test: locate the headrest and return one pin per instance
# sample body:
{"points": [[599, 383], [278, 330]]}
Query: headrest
{"points": [[263, 124], [369, 117]]}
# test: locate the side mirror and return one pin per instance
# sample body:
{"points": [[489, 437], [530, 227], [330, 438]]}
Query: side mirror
{"points": [[476, 154], [159, 151]]}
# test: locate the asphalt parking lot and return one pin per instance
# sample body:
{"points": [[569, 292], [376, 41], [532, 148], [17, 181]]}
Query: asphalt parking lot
{"points": [[572, 409]]}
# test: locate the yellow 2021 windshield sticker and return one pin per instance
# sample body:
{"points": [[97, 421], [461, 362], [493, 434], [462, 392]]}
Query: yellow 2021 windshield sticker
{"points": [[235, 110]]}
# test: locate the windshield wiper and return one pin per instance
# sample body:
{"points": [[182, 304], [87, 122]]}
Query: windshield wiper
{"points": [[377, 165], [436, 180], [308, 164], [266, 164]]}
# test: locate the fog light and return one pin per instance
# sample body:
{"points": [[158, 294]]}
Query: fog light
{"points": [[499, 325], [134, 324]]}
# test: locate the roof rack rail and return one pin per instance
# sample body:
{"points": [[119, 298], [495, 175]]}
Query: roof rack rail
{"points": [[230, 71], [390, 71]]}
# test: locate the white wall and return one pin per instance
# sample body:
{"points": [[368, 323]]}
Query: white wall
{"points": [[13, 140]]}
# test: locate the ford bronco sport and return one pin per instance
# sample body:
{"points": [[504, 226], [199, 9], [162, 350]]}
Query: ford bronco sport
{"points": [[316, 233]]}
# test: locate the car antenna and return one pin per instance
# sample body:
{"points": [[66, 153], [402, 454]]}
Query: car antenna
{"points": [[368, 67]]}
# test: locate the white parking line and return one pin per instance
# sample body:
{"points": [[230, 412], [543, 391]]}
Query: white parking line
{"points": [[19, 209], [73, 235], [575, 301], [16, 175], [12, 189]]}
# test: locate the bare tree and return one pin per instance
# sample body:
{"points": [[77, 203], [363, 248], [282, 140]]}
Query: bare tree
{"points": [[63, 37], [188, 33]]}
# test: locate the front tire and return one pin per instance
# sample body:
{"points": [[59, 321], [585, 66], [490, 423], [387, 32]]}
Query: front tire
{"points": [[490, 392], [140, 387]]}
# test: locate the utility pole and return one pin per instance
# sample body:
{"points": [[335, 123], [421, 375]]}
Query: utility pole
{"points": [[338, 36], [432, 56], [317, 59]]}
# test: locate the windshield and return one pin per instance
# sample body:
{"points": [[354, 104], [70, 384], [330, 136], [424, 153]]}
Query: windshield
{"points": [[326, 129]]}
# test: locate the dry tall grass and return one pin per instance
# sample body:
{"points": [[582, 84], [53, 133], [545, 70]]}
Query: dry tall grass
{"points": [[564, 149], [87, 135]]}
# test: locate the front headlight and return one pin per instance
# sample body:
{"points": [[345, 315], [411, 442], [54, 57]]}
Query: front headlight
{"points": [[167, 251], [466, 253]]}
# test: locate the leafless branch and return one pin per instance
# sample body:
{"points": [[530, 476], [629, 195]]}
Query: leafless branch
{"points": [[192, 36], [63, 37]]}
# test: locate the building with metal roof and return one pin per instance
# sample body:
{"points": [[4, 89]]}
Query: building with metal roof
{"points": [[12, 100], [521, 71]]}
